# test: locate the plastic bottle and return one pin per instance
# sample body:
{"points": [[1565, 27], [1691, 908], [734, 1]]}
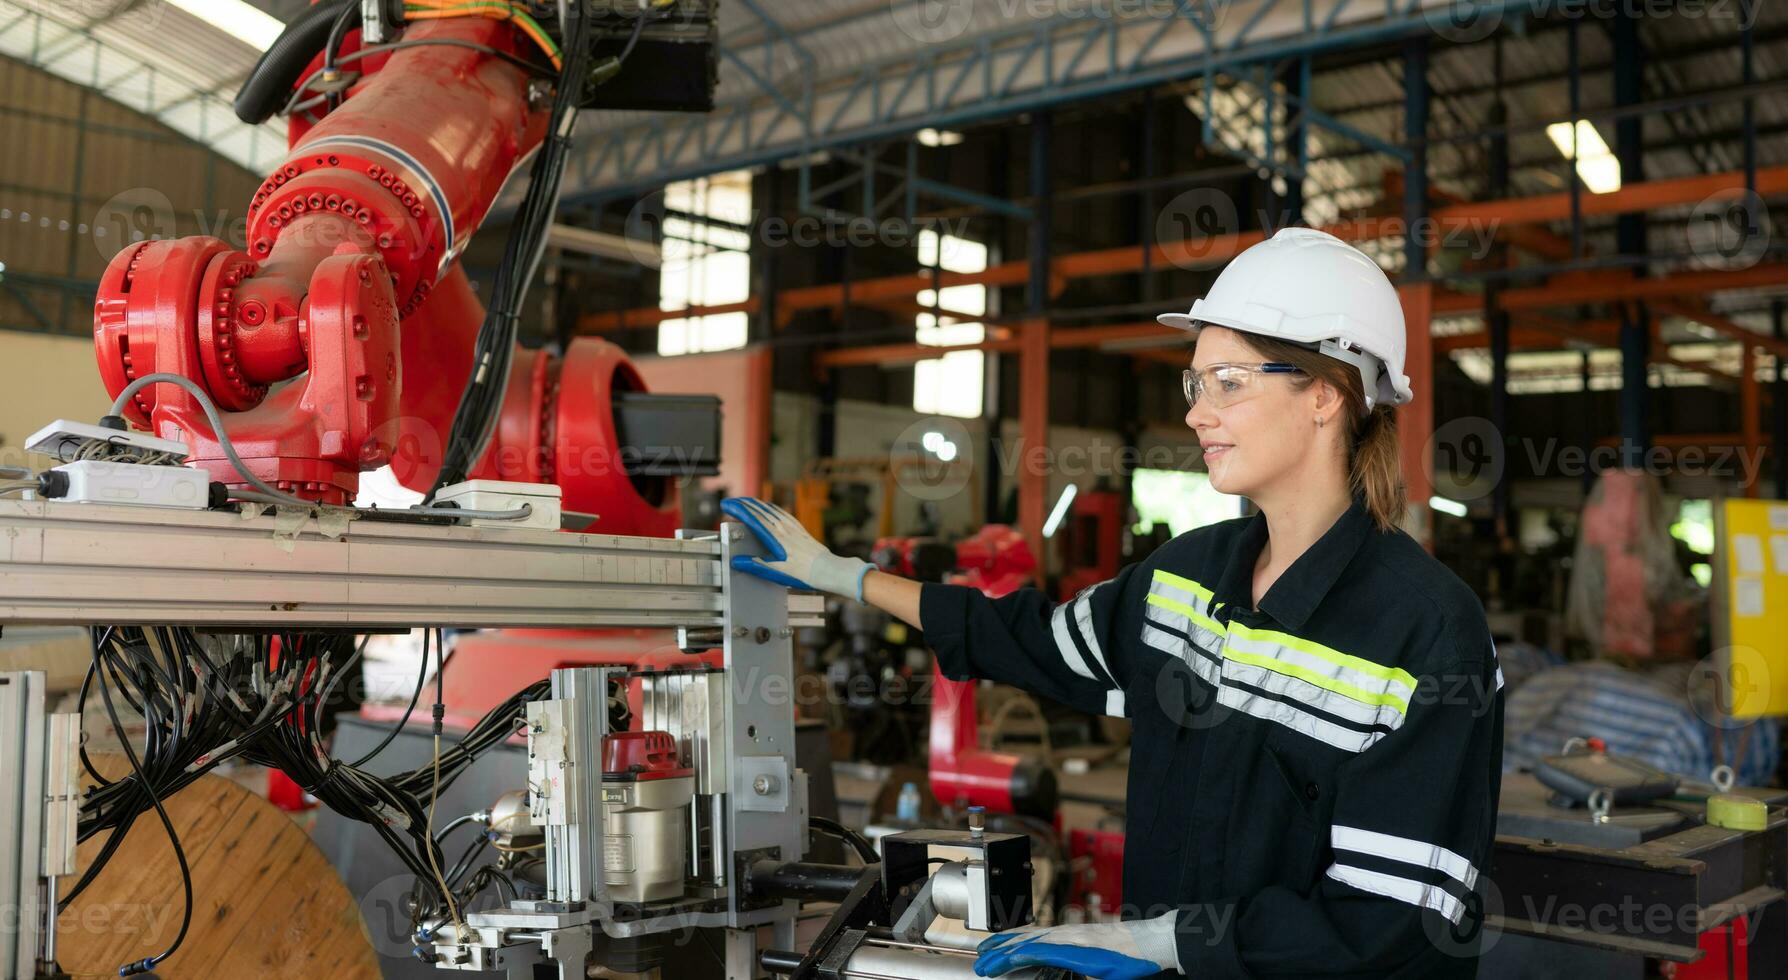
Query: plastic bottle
{"points": [[906, 809]]}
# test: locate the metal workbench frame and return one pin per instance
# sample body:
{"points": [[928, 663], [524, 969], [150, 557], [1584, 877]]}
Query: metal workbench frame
{"points": [[70, 563]]}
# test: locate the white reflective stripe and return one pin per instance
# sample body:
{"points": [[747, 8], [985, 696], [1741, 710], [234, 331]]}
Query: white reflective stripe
{"points": [[1064, 644], [1417, 893], [1321, 665], [1206, 640], [1176, 593], [1305, 692], [1184, 587], [1406, 850], [1114, 704], [1163, 594], [1175, 646], [1302, 722], [1083, 617]]}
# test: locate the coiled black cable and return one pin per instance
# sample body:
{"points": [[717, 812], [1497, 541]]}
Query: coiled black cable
{"points": [[208, 699]]}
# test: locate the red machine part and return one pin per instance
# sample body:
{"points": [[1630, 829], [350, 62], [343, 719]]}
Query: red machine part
{"points": [[997, 560], [168, 306], [350, 235], [641, 757], [1091, 541], [1727, 950], [284, 792], [1101, 887]]}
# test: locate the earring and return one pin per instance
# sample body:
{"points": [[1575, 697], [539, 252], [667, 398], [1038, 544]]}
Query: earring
{"points": [[1319, 421]]}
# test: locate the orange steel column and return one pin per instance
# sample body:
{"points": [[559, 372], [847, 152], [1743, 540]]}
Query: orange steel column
{"points": [[1033, 419], [1750, 402], [1415, 421], [759, 399]]}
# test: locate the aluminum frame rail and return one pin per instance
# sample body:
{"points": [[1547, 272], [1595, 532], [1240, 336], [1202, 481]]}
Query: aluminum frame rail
{"points": [[68, 563]]}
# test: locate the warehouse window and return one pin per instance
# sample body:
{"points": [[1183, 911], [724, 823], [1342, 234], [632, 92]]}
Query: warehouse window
{"points": [[951, 384], [707, 261]]}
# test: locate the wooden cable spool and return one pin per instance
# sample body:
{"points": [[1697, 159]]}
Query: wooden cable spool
{"points": [[266, 903]]}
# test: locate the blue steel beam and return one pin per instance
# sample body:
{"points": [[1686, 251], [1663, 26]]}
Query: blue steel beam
{"points": [[939, 189], [980, 76]]}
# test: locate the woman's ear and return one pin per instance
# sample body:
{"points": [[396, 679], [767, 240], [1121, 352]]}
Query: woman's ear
{"points": [[1328, 403]]}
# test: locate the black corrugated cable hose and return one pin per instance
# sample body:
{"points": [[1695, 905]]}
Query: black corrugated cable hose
{"points": [[270, 83]]}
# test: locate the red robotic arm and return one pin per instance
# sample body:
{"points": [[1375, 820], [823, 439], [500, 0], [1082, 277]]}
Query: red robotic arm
{"points": [[342, 337]]}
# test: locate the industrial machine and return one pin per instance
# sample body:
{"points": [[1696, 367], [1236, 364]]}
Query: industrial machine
{"points": [[657, 802], [901, 919]]}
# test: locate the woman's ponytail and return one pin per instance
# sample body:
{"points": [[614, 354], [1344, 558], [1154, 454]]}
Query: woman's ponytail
{"points": [[1375, 467]]}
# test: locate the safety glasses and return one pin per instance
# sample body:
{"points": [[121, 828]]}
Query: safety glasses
{"points": [[1222, 385]]}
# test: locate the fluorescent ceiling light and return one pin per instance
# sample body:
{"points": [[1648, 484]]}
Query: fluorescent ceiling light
{"points": [[938, 137], [1447, 506], [589, 241], [1596, 164], [1060, 513], [237, 18]]}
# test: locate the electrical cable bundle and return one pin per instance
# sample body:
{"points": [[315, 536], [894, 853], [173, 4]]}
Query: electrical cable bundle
{"points": [[476, 418], [515, 13], [208, 699]]}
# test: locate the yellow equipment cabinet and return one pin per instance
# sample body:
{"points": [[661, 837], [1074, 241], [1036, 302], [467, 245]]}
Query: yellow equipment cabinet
{"points": [[1750, 604]]}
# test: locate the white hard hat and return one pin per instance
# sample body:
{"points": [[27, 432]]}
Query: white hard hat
{"points": [[1309, 287]]}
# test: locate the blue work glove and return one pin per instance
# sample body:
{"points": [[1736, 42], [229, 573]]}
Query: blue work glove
{"points": [[1103, 951], [796, 559]]}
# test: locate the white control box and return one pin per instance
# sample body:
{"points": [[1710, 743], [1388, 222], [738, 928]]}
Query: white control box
{"points": [[67, 440], [505, 495], [93, 482]]}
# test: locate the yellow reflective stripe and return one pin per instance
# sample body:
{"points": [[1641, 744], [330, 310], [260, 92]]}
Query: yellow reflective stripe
{"points": [[1346, 690], [1393, 674], [1186, 584], [1155, 599]]}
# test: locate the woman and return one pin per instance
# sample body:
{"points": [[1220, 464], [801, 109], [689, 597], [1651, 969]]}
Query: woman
{"points": [[1315, 701]]}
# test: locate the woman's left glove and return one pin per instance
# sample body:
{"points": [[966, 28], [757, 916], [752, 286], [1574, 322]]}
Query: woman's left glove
{"points": [[796, 559], [1105, 951]]}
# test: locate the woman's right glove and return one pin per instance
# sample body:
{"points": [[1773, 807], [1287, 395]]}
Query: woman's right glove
{"points": [[796, 559]]}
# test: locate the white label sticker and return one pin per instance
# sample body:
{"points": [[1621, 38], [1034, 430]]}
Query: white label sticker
{"points": [[1747, 597], [1778, 518], [617, 854], [1748, 550], [1778, 551]]}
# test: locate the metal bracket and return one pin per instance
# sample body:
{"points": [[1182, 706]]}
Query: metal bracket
{"points": [[761, 783], [742, 862]]}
